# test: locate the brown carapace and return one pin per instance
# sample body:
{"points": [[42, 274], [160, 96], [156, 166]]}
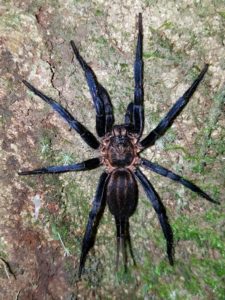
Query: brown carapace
{"points": [[119, 149]]}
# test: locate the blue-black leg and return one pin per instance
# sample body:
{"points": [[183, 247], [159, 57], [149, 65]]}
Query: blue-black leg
{"points": [[101, 99], [167, 173], [83, 166], [130, 243], [138, 110], [161, 212], [85, 134], [128, 119], [176, 109], [108, 109], [123, 240], [95, 215]]}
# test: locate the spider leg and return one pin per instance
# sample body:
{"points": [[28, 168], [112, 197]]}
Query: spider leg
{"points": [[138, 110], [128, 119], [101, 99], [129, 242], [109, 117], [167, 173], [121, 242], [175, 110], [85, 134], [83, 166], [95, 215], [121, 246], [161, 212]]}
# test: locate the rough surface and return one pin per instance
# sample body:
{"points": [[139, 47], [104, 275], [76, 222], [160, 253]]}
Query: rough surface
{"points": [[39, 249]]}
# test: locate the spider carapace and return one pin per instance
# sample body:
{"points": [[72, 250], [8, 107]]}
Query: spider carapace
{"points": [[120, 148]]}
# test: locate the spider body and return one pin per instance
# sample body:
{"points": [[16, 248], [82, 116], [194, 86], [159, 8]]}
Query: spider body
{"points": [[119, 148]]}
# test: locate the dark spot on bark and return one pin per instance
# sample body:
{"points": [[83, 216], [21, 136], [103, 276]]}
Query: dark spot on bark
{"points": [[6, 144], [20, 197], [12, 163]]}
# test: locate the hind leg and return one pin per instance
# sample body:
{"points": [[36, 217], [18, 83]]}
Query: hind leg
{"points": [[123, 240]]}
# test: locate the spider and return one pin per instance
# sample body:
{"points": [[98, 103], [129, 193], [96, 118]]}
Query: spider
{"points": [[119, 149]]}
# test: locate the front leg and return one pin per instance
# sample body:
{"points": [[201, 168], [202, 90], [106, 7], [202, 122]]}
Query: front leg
{"points": [[101, 99], [138, 110], [134, 116], [175, 110], [85, 134]]}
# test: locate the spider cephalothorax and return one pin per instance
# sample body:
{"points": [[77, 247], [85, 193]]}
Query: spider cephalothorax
{"points": [[119, 153], [120, 148]]}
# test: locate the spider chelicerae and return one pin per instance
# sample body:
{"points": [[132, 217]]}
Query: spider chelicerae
{"points": [[119, 153]]}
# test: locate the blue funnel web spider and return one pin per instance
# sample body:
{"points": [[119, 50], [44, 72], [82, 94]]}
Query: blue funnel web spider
{"points": [[119, 148]]}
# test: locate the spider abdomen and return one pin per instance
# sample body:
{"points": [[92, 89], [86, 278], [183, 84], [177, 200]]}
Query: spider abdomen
{"points": [[122, 193]]}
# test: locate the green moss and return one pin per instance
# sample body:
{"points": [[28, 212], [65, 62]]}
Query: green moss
{"points": [[162, 47], [3, 120], [73, 214], [99, 12], [174, 147], [45, 146], [101, 40], [153, 280], [3, 253], [152, 54], [77, 1], [168, 25], [186, 230], [10, 21], [64, 158], [150, 2], [186, 280], [204, 140], [125, 278], [214, 216], [209, 273], [124, 67], [59, 230], [222, 14], [45, 149]]}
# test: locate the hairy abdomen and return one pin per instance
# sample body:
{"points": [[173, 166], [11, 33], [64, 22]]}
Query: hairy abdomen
{"points": [[122, 193]]}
